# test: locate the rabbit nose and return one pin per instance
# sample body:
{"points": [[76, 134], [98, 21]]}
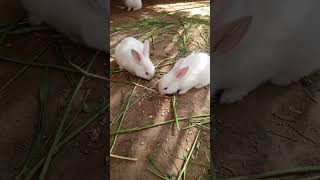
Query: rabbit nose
{"points": [[178, 91]]}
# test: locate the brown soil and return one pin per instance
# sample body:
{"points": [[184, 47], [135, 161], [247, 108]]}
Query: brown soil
{"points": [[164, 142], [254, 136], [82, 158]]}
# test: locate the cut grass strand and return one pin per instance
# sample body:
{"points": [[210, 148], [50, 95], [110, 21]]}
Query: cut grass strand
{"points": [[122, 157], [175, 112], [61, 125], [156, 125], [149, 89], [40, 65], [197, 124], [36, 149], [123, 115], [157, 174], [74, 133], [279, 173], [22, 70], [87, 74], [132, 104], [183, 170]]}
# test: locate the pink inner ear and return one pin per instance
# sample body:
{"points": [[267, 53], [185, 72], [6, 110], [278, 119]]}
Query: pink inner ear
{"points": [[181, 72], [135, 55], [231, 33]]}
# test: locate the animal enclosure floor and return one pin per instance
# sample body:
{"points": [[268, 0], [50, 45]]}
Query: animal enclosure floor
{"points": [[159, 151], [273, 128]]}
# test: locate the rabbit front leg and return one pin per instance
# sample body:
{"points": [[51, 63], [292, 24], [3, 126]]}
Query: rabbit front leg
{"points": [[182, 91]]}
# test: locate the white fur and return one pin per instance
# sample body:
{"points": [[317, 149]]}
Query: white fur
{"points": [[198, 74], [133, 4], [281, 46], [126, 61], [81, 20]]}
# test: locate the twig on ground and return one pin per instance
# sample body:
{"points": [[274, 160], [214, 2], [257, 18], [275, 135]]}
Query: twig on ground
{"points": [[88, 74], [122, 157], [295, 129], [310, 96]]}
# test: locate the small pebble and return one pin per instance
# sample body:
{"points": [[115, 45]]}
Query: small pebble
{"points": [[188, 139], [167, 139], [150, 116], [187, 149], [142, 143], [162, 114], [139, 103]]}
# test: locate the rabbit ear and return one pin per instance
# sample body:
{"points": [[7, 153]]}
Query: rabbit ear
{"points": [[228, 36], [136, 56], [178, 63], [181, 72], [146, 48]]}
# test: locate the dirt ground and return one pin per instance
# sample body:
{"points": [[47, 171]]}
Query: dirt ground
{"points": [[273, 128], [84, 157], [163, 144]]}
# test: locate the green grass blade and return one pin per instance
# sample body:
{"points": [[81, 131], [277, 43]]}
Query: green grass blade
{"points": [[122, 118], [188, 158], [175, 112], [36, 147], [60, 128]]}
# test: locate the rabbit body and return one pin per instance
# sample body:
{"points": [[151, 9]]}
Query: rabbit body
{"points": [[281, 46], [81, 20], [133, 56], [133, 4], [191, 71]]}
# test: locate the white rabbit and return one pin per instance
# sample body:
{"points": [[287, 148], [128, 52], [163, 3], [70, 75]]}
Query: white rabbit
{"points": [[133, 56], [81, 20], [280, 46], [133, 4], [191, 71]]}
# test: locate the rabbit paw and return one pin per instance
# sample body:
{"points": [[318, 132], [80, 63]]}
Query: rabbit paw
{"points": [[134, 9], [199, 86], [232, 95], [182, 91]]}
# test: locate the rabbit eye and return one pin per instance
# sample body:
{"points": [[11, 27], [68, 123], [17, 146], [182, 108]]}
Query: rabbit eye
{"points": [[165, 88], [147, 73]]}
